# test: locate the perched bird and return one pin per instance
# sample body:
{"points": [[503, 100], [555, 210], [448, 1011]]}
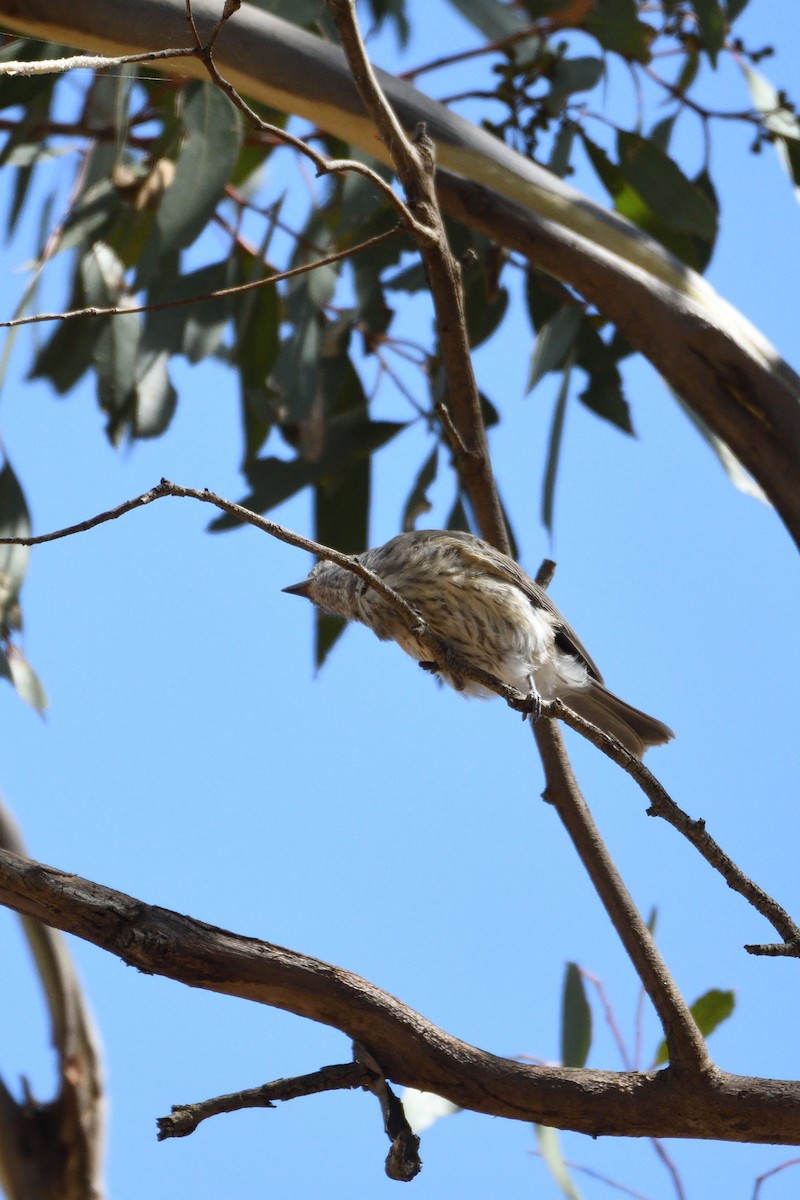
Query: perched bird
{"points": [[490, 614]]}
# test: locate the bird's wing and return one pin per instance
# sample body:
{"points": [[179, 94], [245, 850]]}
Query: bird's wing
{"points": [[502, 567]]}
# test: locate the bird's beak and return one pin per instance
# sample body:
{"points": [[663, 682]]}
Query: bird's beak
{"points": [[298, 589]]}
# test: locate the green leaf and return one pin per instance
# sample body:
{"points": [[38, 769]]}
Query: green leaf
{"points": [[69, 351], [555, 340], [15, 521], [195, 330], [603, 393], [711, 24], [212, 137], [348, 437], [661, 132], [154, 399], [483, 313], [418, 502], [736, 8], [341, 520], [571, 75], [576, 1020], [662, 185], [410, 279], [550, 1150], [554, 450], [709, 1011], [647, 207], [617, 28], [394, 11]]}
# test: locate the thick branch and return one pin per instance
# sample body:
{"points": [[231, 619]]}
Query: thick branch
{"points": [[410, 1050], [55, 1148]]}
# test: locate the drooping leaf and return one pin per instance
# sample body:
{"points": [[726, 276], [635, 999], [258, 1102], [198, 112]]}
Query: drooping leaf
{"points": [[418, 502], [68, 352], [554, 342], [154, 398], [457, 517], [603, 393], [576, 1019], [14, 522], [571, 75], [617, 28], [257, 316], [195, 329], [348, 437], [550, 1150], [554, 450], [341, 520], [559, 161], [492, 18], [711, 25], [483, 313], [212, 137]]}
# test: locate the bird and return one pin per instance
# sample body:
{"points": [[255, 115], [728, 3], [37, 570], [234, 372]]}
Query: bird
{"points": [[490, 614]]}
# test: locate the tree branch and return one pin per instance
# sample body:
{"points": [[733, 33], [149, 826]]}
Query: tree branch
{"points": [[411, 1051], [414, 163], [55, 1148], [662, 804]]}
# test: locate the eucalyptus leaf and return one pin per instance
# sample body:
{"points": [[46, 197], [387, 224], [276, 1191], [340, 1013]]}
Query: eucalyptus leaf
{"points": [[15, 521], [554, 341], [550, 1150]]}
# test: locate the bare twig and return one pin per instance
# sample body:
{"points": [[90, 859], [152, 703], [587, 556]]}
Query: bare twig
{"points": [[219, 294], [90, 62], [694, 830], [185, 1118], [403, 1161]]}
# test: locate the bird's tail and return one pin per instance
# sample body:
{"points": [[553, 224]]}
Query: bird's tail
{"points": [[632, 727]]}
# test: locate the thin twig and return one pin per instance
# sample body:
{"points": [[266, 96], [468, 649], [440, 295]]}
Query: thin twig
{"points": [[219, 294], [90, 62], [185, 1118], [662, 805]]}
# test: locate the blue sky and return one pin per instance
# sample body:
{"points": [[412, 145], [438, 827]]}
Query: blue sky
{"points": [[379, 822]]}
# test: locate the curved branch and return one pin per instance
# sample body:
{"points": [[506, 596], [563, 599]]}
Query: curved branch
{"points": [[409, 1049], [55, 1148], [706, 350]]}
